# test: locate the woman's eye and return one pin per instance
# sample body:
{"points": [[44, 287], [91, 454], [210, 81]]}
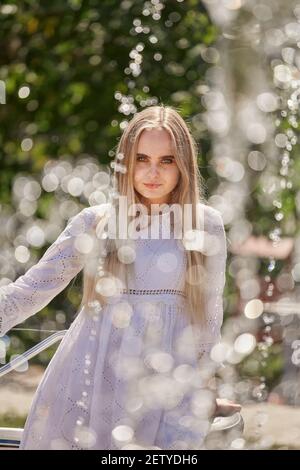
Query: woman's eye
{"points": [[167, 160]]}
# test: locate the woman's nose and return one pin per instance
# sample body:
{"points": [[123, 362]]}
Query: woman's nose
{"points": [[153, 170]]}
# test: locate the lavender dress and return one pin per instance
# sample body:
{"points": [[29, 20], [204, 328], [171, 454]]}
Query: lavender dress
{"points": [[128, 374]]}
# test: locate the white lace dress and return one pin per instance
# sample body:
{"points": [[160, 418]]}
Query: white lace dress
{"points": [[127, 375]]}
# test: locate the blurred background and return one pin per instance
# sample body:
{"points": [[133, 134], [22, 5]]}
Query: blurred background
{"points": [[72, 75]]}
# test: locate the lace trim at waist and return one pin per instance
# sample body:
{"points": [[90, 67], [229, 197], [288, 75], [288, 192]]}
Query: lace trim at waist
{"points": [[153, 291]]}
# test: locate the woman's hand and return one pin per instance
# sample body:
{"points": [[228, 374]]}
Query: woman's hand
{"points": [[226, 407]]}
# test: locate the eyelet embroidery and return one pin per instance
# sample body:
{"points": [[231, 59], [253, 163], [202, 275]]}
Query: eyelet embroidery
{"points": [[152, 291], [142, 277]]}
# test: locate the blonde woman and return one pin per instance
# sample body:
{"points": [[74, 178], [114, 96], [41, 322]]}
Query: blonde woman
{"points": [[133, 370]]}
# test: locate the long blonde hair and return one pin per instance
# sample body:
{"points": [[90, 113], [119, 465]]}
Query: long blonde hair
{"points": [[189, 190]]}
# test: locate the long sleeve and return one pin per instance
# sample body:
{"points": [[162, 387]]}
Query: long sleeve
{"points": [[215, 271], [62, 261]]}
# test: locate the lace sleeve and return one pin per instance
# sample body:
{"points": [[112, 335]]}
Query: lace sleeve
{"points": [[42, 282], [215, 270]]}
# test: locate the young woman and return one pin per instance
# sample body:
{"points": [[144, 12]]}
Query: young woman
{"points": [[134, 368]]}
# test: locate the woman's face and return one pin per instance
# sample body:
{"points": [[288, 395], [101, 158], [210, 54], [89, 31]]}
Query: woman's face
{"points": [[155, 164]]}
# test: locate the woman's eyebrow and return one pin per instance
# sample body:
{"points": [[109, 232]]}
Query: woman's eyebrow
{"points": [[164, 156]]}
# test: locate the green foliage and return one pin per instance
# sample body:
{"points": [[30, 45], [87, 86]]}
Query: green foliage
{"points": [[9, 420], [256, 366], [73, 59]]}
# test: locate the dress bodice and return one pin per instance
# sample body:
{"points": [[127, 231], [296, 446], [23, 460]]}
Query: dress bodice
{"points": [[159, 264]]}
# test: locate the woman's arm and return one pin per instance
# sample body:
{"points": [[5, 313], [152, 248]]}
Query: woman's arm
{"points": [[213, 282], [215, 245], [215, 268], [42, 282]]}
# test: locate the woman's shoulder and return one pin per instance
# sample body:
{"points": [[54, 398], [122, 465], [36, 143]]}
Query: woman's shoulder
{"points": [[98, 209], [91, 215], [212, 216]]}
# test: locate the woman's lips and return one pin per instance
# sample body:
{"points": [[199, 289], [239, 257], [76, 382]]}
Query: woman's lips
{"points": [[152, 186]]}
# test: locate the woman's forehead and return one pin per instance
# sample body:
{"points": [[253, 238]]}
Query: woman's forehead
{"points": [[155, 143]]}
